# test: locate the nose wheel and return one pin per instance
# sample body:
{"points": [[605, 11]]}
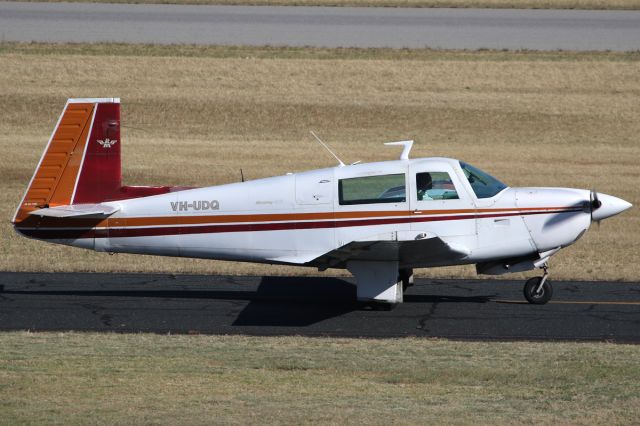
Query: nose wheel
{"points": [[538, 290]]}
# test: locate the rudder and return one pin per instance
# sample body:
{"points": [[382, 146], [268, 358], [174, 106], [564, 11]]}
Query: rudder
{"points": [[81, 163]]}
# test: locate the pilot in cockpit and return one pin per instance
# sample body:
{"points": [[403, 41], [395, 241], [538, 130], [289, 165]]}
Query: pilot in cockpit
{"points": [[423, 184]]}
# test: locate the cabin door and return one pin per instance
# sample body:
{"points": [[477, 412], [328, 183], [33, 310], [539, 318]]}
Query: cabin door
{"points": [[439, 203]]}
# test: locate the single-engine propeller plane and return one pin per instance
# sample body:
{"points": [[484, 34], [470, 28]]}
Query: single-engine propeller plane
{"points": [[378, 220]]}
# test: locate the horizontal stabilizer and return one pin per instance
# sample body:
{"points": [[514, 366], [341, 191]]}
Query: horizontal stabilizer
{"points": [[77, 210]]}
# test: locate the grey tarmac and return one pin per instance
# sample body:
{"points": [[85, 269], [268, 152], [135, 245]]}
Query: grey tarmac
{"points": [[314, 306], [439, 28]]}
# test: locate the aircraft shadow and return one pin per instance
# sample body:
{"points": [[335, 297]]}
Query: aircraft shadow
{"points": [[276, 302], [276, 289], [298, 301], [335, 300]]}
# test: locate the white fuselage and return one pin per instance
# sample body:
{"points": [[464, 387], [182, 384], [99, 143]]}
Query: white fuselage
{"points": [[294, 219]]}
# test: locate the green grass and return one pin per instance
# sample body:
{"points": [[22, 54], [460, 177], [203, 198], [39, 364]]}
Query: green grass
{"points": [[74, 378], [315, 53]]}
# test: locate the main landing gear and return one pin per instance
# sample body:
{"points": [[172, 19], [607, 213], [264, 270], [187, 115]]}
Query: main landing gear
{"points": [[538, 290], [380, 284]]}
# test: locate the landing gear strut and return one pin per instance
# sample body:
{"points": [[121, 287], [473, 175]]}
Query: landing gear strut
{"points": [[538, 290]]}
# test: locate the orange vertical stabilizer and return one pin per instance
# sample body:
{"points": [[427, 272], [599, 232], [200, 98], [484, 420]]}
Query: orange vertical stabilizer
{"points": [[66, 174]]}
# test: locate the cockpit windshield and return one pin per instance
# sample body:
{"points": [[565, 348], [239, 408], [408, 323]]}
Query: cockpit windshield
{"points": [[483, 184]]}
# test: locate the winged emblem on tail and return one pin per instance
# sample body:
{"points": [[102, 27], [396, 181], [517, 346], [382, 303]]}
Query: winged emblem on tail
{"points": [[107, 143]]}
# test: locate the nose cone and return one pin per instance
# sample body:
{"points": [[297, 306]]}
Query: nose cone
{"points": [[610, 206]]}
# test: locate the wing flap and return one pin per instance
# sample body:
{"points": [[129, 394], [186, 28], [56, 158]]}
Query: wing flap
{"points": [[423, 251]]}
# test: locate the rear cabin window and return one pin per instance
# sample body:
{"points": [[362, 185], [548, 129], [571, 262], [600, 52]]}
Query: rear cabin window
{"points": [[373, 189], [435, 186]]}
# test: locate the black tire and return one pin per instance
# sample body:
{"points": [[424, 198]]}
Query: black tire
{"points": [[405, 275], [545, 293]]}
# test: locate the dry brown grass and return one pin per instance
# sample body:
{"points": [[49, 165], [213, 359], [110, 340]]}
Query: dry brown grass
{"points": [[496, 4], [558, 119], [72, 378]]}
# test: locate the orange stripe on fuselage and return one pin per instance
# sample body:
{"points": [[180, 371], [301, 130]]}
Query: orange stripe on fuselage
{"points": [[288, 217], [216, 228], [129, 222]]}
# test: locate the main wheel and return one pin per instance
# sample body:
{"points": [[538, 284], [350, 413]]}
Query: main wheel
{"points": [[406, 276], [541, 297]]}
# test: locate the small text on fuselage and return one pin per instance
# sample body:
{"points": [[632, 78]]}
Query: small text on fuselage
{"points": [[196, 205]]}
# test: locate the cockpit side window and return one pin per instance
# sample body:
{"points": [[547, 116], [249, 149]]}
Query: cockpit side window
{"points": [[435, 186], [373, 189], [483, 184]]}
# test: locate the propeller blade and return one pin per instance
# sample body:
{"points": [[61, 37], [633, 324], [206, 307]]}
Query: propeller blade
{"points": [[594, 202]]}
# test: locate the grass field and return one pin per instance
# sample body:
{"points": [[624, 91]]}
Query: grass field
{"points": [[72, 378], [499, 4], [195, 116]]}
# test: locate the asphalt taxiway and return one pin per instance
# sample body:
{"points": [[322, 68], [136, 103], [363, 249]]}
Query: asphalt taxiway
{"points": [[439, 28], [456, 309]]}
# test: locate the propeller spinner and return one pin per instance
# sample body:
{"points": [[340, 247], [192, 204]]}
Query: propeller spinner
{"points": [[604, 206]]}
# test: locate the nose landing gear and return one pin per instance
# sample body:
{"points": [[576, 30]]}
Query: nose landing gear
{"points": [[538, 290]]}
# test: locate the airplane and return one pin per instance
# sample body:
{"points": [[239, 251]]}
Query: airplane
{"points": [[378, 220]]}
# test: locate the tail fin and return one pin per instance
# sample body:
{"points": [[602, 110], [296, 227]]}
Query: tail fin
{"points": [[81, 163]]}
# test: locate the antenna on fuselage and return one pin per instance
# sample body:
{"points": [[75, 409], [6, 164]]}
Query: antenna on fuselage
{"points": [[327, 148], [405, 151]]}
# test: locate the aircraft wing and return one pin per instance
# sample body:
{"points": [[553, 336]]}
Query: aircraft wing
{"points": [[76, 210], [386, 247]]}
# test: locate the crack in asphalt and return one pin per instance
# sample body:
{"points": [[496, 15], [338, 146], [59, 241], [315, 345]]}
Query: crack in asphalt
{"points": [[422, 322], [96, 310]]}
